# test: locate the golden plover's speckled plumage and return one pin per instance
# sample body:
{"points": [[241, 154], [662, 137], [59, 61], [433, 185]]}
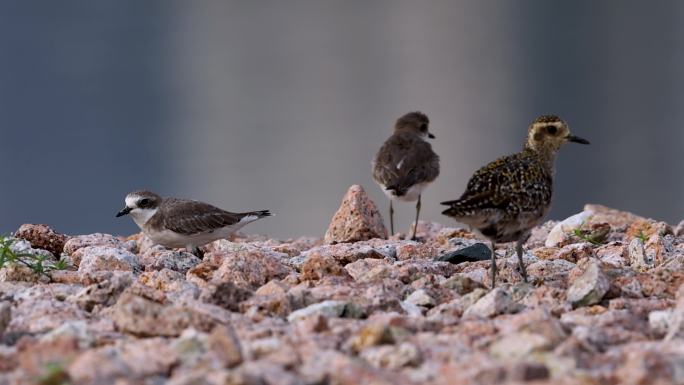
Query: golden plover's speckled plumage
{"points": [[505, 199], [406, 164]]}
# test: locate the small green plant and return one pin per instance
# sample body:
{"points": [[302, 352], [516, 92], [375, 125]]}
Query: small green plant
{"points": [[54, 374], [36, 262], [642, 236], [596, 234]]}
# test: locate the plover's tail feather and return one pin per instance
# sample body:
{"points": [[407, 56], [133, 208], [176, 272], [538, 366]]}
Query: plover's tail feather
{"points": [[259, 214]]}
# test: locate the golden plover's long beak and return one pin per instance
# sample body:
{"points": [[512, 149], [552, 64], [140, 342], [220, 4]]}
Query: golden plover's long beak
{"points": [[123, 212], [576, 139]]}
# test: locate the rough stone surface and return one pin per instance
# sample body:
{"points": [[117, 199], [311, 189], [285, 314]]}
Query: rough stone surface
{"points": [[381, 311], [357, 219], [590, 287], [158, 258], [42, 237], [97, 239], [496, 302], [105, 258]]}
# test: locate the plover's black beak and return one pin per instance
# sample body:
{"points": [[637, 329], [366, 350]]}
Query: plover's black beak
{"points": [[124, 211], [576, 139], [431, 135]]}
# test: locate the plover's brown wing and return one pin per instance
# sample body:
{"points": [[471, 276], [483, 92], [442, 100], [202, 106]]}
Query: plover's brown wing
{"points": [[512, 184], [404, 161], [191, 217]]}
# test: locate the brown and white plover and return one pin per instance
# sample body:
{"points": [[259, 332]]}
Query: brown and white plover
{"points": [[505, 199], [175, 223], [406, 164]]}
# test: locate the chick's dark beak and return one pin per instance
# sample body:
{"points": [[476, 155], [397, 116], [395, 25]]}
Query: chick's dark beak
{"points": [[431, 135], [576, 139], [124, 211]]}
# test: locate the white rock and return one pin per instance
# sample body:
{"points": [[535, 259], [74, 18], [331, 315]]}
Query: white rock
{"points": [[659, 321], [420, 298], [497, 301], [411, 309], [328, 308], [562, 230], [77, 329]]}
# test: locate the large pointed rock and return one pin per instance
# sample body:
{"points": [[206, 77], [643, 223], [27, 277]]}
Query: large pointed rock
{"points": [[357, 219]]}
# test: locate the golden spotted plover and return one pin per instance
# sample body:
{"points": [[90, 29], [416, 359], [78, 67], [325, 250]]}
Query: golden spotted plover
{"points": [[406, 164], [176, 223], [505, 199]]}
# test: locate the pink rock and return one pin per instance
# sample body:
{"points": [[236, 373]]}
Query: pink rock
{"points": [[96, 239], [225, 344], [131, 360], [345, 253], [143, 317], [357, 219], [359, 270], [42, 237], [318, 266], [247, 269]]}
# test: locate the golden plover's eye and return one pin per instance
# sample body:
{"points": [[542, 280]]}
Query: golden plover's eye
{"points": [[553, 130], [423, 127]]}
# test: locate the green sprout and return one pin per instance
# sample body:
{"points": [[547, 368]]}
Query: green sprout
{"points": [[597, 235], [642, 236], [37, 262]]}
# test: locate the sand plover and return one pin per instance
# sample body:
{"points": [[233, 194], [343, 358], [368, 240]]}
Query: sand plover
{"points": [[176, 223], [505, 199], [406, 164]]}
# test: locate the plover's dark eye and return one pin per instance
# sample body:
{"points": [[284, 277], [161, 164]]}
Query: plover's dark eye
{"points": [[423, 127], [143, 202], [552, 130]]}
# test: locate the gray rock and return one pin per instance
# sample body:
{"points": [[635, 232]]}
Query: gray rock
{"points": [[639, 259], [590, 287], [473, 253], [5, 316]]}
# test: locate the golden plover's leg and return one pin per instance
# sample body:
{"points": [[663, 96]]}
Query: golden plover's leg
{"points": [[519, 250], [391, 219], [415, 225], [493, 245]]}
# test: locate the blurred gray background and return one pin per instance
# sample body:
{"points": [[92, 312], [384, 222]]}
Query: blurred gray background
{"points": [[281, 105]]}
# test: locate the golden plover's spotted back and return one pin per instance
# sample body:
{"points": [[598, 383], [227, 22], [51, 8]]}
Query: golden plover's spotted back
{"points": [[505, 199], [406, 164]]}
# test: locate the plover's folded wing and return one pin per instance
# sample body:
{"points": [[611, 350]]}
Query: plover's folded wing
{"points": [[191, 217], [403, 162], [507, 183]]}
